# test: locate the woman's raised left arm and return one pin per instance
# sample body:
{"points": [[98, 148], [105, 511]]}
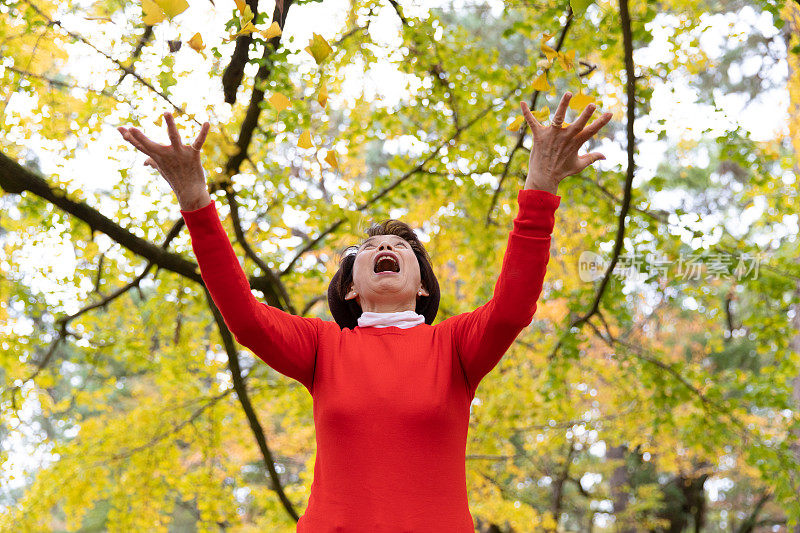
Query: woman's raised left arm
{"points": [[482, 336]]}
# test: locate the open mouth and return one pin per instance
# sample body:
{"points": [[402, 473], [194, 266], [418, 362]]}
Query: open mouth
{"points": [[386, 264]]}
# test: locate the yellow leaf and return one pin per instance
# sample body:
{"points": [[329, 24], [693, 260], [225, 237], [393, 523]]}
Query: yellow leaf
{"points": [[540, 83], [231, 149], [567, 60], [172, 8], [279, 102], [319, 48], [322, 96], [240, 5], [580, 101], [546, 36], [246, 15], [330, 158], [273, 31], [196, 42], [542, 115], [159, 120], [548, 52], [305, 140], [248, 28], [515, 126], [151, 13]]}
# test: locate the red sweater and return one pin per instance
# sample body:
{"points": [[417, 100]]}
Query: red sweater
{"points": [[391, 405]]}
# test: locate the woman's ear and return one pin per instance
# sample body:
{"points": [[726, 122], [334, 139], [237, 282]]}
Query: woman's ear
{"points": [[351, 294]]}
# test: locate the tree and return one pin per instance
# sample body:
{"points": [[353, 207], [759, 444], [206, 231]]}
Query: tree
{"points": [[661, 395]]}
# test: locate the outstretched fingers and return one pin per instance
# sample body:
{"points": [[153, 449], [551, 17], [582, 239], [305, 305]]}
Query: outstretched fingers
{"points": [[593, 128], [530, 119], [128, 136], [561, 111], [581, 121], [588, 159], [172, 131], [149, 147], [201, 137]]}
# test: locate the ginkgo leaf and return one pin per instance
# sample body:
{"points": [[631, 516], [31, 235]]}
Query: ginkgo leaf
{"points": [[246, 15], [305, 140], [151, 13], [196, 42], [248, 28], [319, 48], [567, 60], [159, 120], [579, 6], [517, 124], [172, 8], [540, 83], [542, 115], [549, 53], [273, 31], [322, 96], [330, 158], [580, 101], [546, 36], [240, 5], [279, 102]]}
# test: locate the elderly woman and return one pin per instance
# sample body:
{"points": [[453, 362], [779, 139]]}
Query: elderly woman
{"points": [[391, 390]]}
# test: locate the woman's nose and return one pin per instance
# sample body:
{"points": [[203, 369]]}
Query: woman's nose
{"points": [[386, 244]]}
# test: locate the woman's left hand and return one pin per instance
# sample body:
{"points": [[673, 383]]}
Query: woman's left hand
{"points": [[554, 154]]}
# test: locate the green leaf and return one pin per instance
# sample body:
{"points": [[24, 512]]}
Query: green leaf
{"points": [[579, 6]]}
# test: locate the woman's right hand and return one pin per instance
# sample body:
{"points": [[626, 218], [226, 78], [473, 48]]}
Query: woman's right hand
{"points": [[178, 163]]}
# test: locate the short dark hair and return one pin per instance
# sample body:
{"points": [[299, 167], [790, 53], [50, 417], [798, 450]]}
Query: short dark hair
{"points": [[346, 312]]}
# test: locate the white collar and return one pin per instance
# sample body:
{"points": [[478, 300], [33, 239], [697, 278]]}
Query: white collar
{"points": [[400, 319]]}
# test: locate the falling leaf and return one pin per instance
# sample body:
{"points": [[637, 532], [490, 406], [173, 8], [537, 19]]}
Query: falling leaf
{"points": [[196, 42], [540, 83], [151, 13], [159, 120], [172, 8], [273, 31], [305, 140], [580, 101], [278, 101], [322, 96], [248, 28], [567, 60], [330, 158], [174, 46], [240, 5], [515, 126], [246, 16], [548, 52], [546, 36], [542, 115], [579, 6], [319, 48]]}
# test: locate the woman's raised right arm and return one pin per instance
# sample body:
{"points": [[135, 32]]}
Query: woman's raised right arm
{"points": [[286, 342]]}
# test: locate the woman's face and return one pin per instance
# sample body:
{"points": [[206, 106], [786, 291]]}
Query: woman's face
{"points": [[397, 283]]}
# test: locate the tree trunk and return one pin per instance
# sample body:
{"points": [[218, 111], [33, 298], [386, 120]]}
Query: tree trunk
{"points": [[620, 483]]}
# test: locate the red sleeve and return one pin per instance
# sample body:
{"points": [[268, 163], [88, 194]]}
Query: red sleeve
{"points": [[481, 337], [286, 342]]}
